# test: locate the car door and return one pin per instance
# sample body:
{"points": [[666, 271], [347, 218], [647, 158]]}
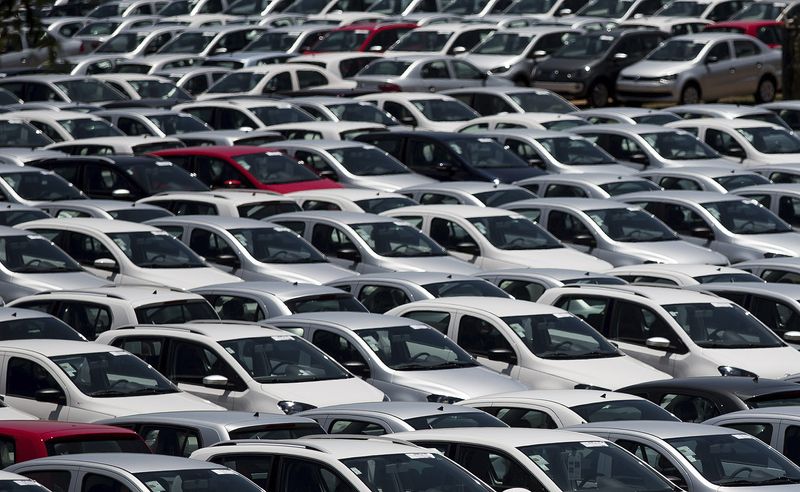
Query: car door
{"points": [[457, 240], [296, 474], [188, 362], [105, 181], [340, 247], [34, 388], [496, 468], [720, 72], [655, 456], [216, 249], [749, 65], [489, 343]]}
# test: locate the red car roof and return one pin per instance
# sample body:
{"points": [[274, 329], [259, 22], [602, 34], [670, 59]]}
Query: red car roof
{"points": [[46, 429], [215, 150]]}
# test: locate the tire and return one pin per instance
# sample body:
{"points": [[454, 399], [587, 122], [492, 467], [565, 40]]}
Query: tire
{"points": [[766, 90], [690, 94], [598, 94]]}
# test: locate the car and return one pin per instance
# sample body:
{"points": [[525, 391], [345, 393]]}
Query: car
{"points": [[493, 238], [151, 64], [528, 284], [180, 433], [452, 156], [325, 130], [229, 138], [253, 250], [688, 69], [65, 125], [258, 300], [380, 292], [633, 115], [422, 72], [211, 40], [775, 426], [326, 108], [605, 53], [252, 204], [783, 270], [12, 214], [50, 379], [728, 112], [183, 7], [132, 471], [507, 335], [586, 185], [27, 440], [125, 145], [68, 88], [249, 367], [343, 64], [275, 79], [779, 198], [643, 146], [147, 87], [668, 446], [540, 121], [375, 419], [613, 231], [240, 114], [369, 243], [117, 177], [786, 173], [31, 186], [676, 26], [95, 32], [660, 326], [106, 209], [768, 32], [552, 409], [530, 458], [703, 178], [422, 110], [684, 275], [406, 360], [244, 166], [288, 39], [125, 253], [153, 122], [245, 59], [349, 200], [736, 227], [787, 111], [368, 37], [15, 482], [478, 193], [493, 100], [93, 311], [124, 8]]}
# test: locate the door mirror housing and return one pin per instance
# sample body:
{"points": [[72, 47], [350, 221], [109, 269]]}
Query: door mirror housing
{"points": [[459, 50], [376, 49], [620, 56], [563, 12], [539, 54], [327, 173], [737, 152], [640, 158], [358, 368], [350, 254], [408, 121], [502, 355], [105, 264], [50, 395], [711, 59], [702, 233], [792, 336], [215, 381], [121, 193], [468, 247], [657, 343], [585, 240], [228, 260]]}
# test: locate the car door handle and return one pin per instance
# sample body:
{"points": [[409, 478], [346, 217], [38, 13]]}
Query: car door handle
{"points": [[759, 65], [731, 70]]}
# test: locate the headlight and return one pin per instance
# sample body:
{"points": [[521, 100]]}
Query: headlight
{"points": [[664, 79], [442, 399], [735, 371], [502, 69], [290, 407]]}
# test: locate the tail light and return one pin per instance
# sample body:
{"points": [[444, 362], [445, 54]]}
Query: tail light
{"points": [[389, 87]]}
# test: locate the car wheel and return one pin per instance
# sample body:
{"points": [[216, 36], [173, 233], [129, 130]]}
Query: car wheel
{"points": [[690, 94], [766, 90], [598, 94]]}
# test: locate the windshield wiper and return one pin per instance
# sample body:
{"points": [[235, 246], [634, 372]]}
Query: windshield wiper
{"points": [[152, 391], [452, 365], [107, 393]]}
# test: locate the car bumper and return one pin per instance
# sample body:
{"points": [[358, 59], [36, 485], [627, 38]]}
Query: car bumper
{"points": [[575, 89], [647, 91]]}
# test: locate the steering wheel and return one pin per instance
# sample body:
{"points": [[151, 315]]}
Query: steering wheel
{"points": [[279, 364], [420, 355], [742, 470]]}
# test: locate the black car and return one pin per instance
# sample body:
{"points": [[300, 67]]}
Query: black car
{"points": [[589, 66], [122, 177], [452, 156], [699, 399]]}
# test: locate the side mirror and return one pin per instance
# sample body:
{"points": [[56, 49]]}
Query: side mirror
{"points": [[502, 355], [227, 260], [121, 193], [231, 183], [349, 254], [539, 54], [50, 395], [702, 233], [215, 381], [445, 167], [220, 51], [657, 343], [677, 481], [329, 174], [737, 152], [712, 59], [563, 12], [536, 162], [459, 50], [584, 240], [640, 158], [620, 56], [408, 121], [468, 247], [376, 48], [792, 336], [358, 368], [105, 264]]}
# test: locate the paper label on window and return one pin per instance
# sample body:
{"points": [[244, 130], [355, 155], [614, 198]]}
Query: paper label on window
{"points": [[118, 353], [594, 444], [687, 453], [743, 436], [67, 368], [224, 471], [230, 350], [163, 163], [273, 153], [574, 463], [281, 229], [485, 140], [562, 315], [159, 233], [281, 338], [720, 304], [420, 456], [540, 462], [355, 470], [419, 327], [155, 486], [26, 482]]}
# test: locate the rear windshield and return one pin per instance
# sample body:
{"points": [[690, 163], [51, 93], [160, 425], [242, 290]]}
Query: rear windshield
{"points": [[607, 411], [175, 312], [448, 421], [332, 302], [103, 444], [291, 431], [32, 328], [138, 214], [259, 211], [786, 399]]}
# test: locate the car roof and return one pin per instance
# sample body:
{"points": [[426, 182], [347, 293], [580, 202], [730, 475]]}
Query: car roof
{"points": [[729, 110], [576, 203], [708, 171], [334, 215], [400, 409], [790, 188], [566, 397], [498, 436], [592, 178], [690, 196], [711, 36], [625, 128], [464, 211], [497, 306], [221, 221], [135, 294], [350, 320], [103, 226], [693, 270], [322, 144], [468, 187], [661, 429], [778, 412], [48, 429], [659, 295], [788, 290], [130, 462], [353, 194], [107, 205], [55, 348], [282, 290], [732, 124], [15, 313], [744, 387], [419, 278], [215, 329], [556, 273]]}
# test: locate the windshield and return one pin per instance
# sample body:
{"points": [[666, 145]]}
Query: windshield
{"points": [[89, 91], [32, 328], [112, 375], [276, 245], [156, 89], [326, 302], [736, 460], [622, 187], [14, 217], [32, 253], [413, 471], [89, 128], [368, 161], [767, 117], [276, 431], [444, 110], [605, 8], [23, 485], [237, 82], [503, 44], [679, 146], [162, 176], [722, 325], [607, 411], [575, 151], [197, 480], [17, 134], [631, 225], [273, 41], [173, 124], [41, 186], [385, 67], [535, 102], [361, 112], [455, 420], [100, 28], [677, 50], [576, 466], [459, 288], [683, 9], [188, 42], [727, 278], [283, 359], [378, 205], [771, 140], [122, 43], [464, 7], [656, 119], [485, 153], [278, 115], [735, 181], [500, 197], [175, 312], [514, 233], [274, 168], [746, 217], [415, 348], [397, 239], [586, 46], [262, 210], [424, 41], [350, 40], [155, 249], [530, 7], [389, 7], [560, 336]]}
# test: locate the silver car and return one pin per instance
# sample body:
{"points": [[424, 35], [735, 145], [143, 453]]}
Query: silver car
{"points": [[775, 426], [407, 360], [104, 209], [229, 137], [528, 284], [586, 185], [728, 112], [324, 108], [775, 270], [153, 122], [633, 115], [349, 200], [736, 227], [12, 214], [703, 66], [701, 178], [478, 193], [421, 73], [252, 249], [788, 111], [492, 100], [33, 186], [782, 199]]}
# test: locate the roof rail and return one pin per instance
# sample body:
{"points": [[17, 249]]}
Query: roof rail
{"points": [[362, 437], [268, 442]]}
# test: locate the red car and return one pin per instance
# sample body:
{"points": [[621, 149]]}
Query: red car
{"points": [[768, 31], [243, 166], [23, 440], [362, 37]]}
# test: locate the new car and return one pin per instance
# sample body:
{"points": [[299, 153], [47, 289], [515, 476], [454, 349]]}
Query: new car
{"points": [[776, 270], [539, 121], [422, 110], [586, 185], [703, 178], [423, 72], [477, 193], [236, 202], [620, 114], [779, 198], [493, 100], [775, 426], [104, 209], [153, 122], [528, 284], [683, 275], [350, 200], [728, 112], [29, 185]]}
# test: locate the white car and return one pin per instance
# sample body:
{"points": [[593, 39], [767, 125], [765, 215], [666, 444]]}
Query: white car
{"points": [[244, 366], [586, 185], [681, 275], [423, 110], [85, 381], [65, 125], [104, 209], [325, 130], [719, 179], [479, 193], [556, 122], [239, 114], [681, 332], [128, 253], [251, 204], [32, 186], [440, 39], [279, 77], [350, 200], [116, 145], [541, 346]]}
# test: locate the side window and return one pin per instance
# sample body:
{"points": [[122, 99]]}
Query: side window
{"points": [[25, 378], [296, 227], [171, 441], [256, 467], [565, 226], [338, 347], [654, 459], [399, 112], [525, 151], [744, 48], [216, 173], [56, 481], [522, 417], [67, 213], [344, 426], [449, 234], [723, 143], [781, 276], [130, 126], [149, 350], [86, 318], [633, 323], [759, 430], [789, 210], [762, 199], [84, 249], [488, 104], [8, 451], [523, 290], [439, 320], [496, 469], [298, 474], [720, 52], [47, 130], [316, 163], [104, 180], [310, 78], [463, 70], [174, 231], [682, 220], [791, 444], [380, 298], [93, 482], [320, 205], [532, 214], [435, 70], [233, 119], [191, 362], [209, 245], [479, 337], [238, 308], [437, 199], [689, 408], [330, 240], [559, 190], [778, 316], [673, 183], [592, 310]]}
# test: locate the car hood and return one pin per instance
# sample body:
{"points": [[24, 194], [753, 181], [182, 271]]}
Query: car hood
{"points": [[133, 405], [508, 174], [317, 184], [777, 362], [393, 182], [446, 264], [610, 372], [60, 281], [647, 68], [311, 273], [546, 258], [186, 278], [325, 393], [487, 62], [787, 243], [713, 162], [675, 252], [780, 159], [466, 382]]}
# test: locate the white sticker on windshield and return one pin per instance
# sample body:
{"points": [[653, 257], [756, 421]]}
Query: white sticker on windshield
{"points": [[540, 462], [34, 236], [419, 327], [485, 140], [594, 444], [574, 463], [720, 304], [155, 486], [26, 482], [355, 470], [420, 456], [159, 233], [118, 353], [632, 209], [607, 38], [562, 315], [67, 368], [163, 163], [281, 338], [282, 229], [230, 350], [224, 471], [687, 453], [743, 436], [273, 153]]}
